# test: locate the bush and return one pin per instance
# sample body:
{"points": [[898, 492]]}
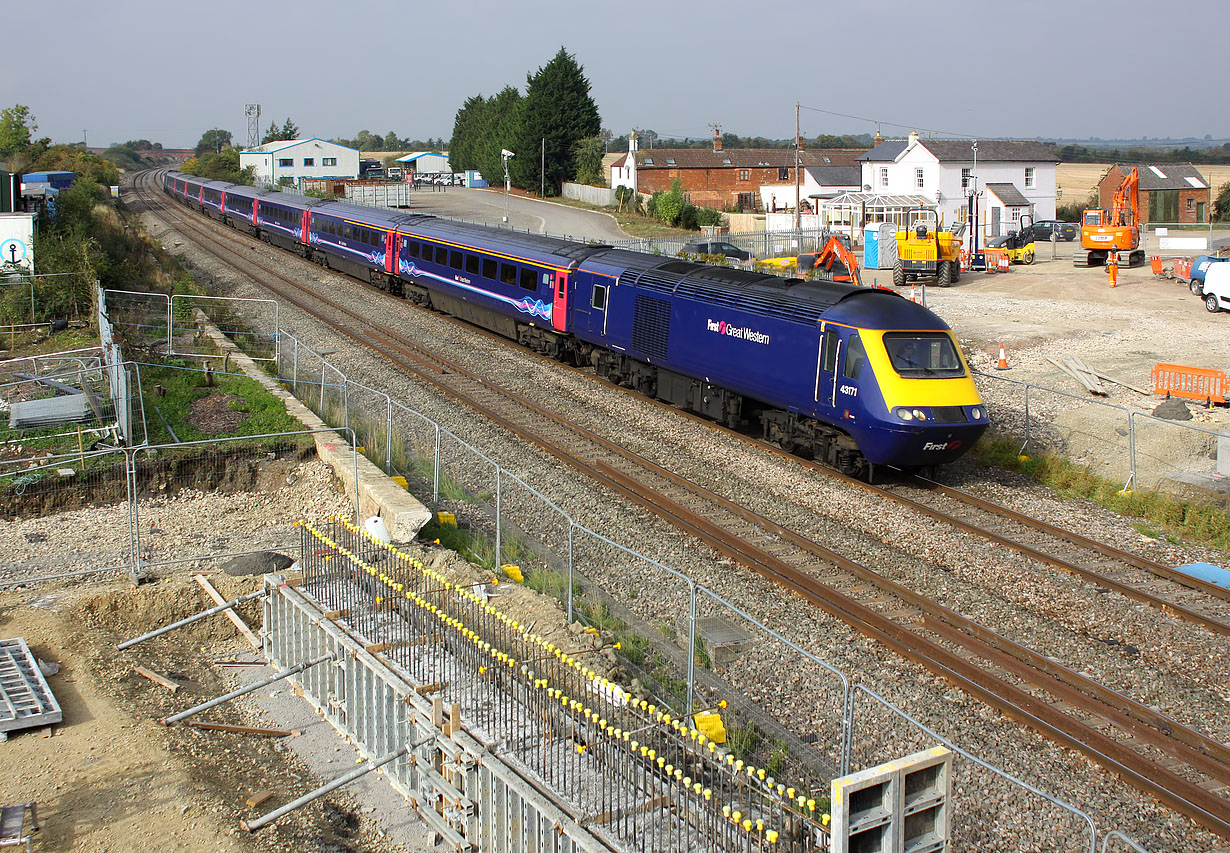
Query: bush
{"points": [[707, 216]]}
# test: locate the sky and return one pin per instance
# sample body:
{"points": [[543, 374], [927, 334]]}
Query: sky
{"points": [[134, 69]]}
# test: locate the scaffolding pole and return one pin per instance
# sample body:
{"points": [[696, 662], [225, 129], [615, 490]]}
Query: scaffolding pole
{"points": [[248, 688]]}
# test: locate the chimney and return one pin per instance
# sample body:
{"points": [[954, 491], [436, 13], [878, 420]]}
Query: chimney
{"points": [[913, 138], [717, 139], [878, 138], [632, 142]]}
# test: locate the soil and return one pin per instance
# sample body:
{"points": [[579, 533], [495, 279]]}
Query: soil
{"points": [[110, 777], [214, 415]]}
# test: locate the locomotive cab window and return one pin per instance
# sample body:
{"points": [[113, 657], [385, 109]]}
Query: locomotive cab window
{"points": [[828, 360], [529, 278], [598, 300], [923, 354], [856, 357]]}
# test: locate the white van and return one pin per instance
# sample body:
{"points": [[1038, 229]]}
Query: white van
{"points": [[1217, 288]]}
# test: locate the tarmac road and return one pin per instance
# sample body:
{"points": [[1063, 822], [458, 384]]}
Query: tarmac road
{"points": [[524, 214]]}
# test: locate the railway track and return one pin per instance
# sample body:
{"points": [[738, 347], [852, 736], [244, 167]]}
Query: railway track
{"points": [[1143, 746]]}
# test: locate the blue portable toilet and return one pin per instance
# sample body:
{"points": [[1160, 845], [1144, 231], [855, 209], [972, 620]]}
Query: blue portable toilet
{"points": [[879, 246]]}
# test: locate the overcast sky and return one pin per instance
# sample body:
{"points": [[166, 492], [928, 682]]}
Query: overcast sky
{"points": [[132, 69]]}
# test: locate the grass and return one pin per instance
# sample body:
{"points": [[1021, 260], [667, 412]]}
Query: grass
{"points": [[1162, 515], [181, 386]]}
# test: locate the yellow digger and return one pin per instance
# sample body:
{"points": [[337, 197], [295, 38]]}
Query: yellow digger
{"points": [[925, 250], [1017, 245]]}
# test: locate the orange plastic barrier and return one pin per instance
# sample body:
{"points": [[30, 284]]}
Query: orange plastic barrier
{"points": [[1191, 383], [1183, 268], [1155, 261]]}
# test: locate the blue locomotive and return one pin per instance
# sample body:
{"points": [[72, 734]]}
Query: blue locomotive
{"points": [[854, 376]]}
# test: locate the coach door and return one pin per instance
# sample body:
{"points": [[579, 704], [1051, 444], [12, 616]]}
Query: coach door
{"points": [[828, 355], [559, 309], [392, 245]]}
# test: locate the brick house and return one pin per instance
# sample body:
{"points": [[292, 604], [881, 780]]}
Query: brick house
{"points": [[1171, 192], [723, 179]]}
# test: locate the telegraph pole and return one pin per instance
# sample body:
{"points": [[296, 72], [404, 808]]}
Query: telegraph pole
{"points": [[798, 219]]}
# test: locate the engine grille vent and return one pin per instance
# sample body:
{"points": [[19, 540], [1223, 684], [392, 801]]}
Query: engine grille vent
{"points": [[651, 326]]}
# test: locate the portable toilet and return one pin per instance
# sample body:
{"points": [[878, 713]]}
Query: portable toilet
{"points": [[879, 245]]}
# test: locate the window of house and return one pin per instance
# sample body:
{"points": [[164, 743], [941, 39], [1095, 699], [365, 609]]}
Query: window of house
{"points": [[1016, 214], [489, 268], [744, 174], [783, 173], [1031, 177], [648, 161], [472, 264], [670, 161], [309, 161], [1191, 204], [287, 161], [919, 181], [529, 278], [967, 175], [883, 176], [328, 161], [508, 274]]}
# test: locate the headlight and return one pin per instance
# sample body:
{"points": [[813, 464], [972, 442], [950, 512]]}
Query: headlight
{"points": [[905, 415], [977, 413], [919, 414]]}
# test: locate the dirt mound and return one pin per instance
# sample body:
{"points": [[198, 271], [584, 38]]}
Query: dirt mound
{"points": [[216, 414]]}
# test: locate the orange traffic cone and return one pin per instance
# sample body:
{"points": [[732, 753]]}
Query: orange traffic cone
{"points": [[1003, 263], [913, 295], [1003, 359]]}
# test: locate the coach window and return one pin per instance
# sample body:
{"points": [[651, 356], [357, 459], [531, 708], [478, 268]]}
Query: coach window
{"points": [[411, 247], [455, 260], [529, 278], [855, 357], [829, 360], [441, 256], [472, 264], [489, 268], [598, 300], [508, 274]]}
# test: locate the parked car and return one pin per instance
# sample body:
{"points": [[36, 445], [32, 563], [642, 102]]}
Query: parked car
{"points": [[1216, 293], [1066, 231], [717, 247]]}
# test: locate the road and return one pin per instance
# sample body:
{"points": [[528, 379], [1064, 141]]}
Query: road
{"points": [[524, 214]]}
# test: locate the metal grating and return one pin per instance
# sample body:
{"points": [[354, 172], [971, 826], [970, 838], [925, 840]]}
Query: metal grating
{"points": [[651, 326], [25, 698]]}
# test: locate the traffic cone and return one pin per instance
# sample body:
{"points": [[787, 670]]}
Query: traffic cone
{"points": [[1003, 263], [1003, 359], [913, 295]]}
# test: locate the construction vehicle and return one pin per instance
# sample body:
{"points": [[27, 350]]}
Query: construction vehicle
{"points": [[1018, 245], [1116, 230], [835, 253], [924, 249]]}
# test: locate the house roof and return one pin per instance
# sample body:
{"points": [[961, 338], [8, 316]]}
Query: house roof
{"points": [[878, 201], [1167, 176], [1009, 195], [415, 155], [741, 158], [279, 144], [960, 151], [836, 176]]}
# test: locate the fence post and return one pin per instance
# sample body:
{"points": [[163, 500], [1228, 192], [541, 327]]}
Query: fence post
{"points": [[323, 365], [847, 730], [691, 642], [134, 521], [498, 488], [346, 403], [294, 376], [1131, 480], [571, 534], [388, 435], [1023, 446]]}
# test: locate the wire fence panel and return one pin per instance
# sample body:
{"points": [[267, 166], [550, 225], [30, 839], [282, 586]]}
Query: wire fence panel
{"points": [[141, 320], [252, 324]]}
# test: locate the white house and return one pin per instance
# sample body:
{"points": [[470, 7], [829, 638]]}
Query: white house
{"points": [[290, 161], [817, 182], [1011, 178], [426, 162]]}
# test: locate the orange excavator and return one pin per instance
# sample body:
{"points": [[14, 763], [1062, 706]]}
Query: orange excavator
{"points": [[1116, 230], [834, 254]]}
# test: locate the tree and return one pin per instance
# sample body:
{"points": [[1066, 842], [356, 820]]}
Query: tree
{"points": [[288, 130], [17, 126], [211, 140], [219, 166], [1221, 205], [556, 114], [587, 161]]}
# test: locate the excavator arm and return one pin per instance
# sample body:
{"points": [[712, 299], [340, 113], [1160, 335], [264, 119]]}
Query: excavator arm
{"points": [[835, 250], [1126, 202]]}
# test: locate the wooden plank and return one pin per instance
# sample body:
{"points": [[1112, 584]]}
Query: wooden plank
{"points": [[156, 678], [434, 687], [335, 614], [244, 730], [1063, 369], [230, 613], [1081, 377], [1127, 385], [257, 798], [1085, 369]]}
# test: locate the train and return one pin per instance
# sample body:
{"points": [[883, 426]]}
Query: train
{"points": [[857, 377]]}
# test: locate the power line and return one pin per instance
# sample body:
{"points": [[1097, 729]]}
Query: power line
{"points": [[894, 124]]}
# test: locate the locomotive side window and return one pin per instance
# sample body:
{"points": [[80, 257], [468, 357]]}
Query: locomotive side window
{"points": [[529, 278], [598, 301], [856, 356], [508, 274], [489, 268], [472, 264], [829, 359], [923, 354]]}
